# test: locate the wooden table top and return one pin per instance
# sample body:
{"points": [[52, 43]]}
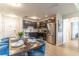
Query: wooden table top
{"points": [[22, 48]]}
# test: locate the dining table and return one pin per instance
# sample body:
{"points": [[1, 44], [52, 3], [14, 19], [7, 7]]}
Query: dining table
{"points": [[23, 48]]}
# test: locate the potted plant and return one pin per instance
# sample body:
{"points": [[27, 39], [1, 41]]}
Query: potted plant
{"points": [[20, 34]]}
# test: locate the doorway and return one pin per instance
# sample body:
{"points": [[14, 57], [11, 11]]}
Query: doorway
{"points": [[70, 33]]}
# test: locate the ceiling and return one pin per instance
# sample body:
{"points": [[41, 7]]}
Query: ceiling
{"points": [[39, 9]]}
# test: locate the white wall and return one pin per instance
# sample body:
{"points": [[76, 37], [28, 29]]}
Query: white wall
{"points": [[58, 34], [66, 30], [9, 26], [1, 34]]}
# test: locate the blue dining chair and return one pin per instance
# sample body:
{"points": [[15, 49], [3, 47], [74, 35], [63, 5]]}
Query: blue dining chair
{"points": [[37, 52], [4, 50], [4, 47]]}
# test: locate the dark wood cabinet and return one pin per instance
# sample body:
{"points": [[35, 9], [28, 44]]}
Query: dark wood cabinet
{"points": [[29, 23], [42, 24]]}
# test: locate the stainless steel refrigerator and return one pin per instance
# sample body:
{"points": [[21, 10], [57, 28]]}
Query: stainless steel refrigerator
{"points": [[51, 33]]}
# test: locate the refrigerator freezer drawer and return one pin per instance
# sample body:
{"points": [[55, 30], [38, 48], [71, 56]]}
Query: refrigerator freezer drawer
{"points": [[51, 40]]}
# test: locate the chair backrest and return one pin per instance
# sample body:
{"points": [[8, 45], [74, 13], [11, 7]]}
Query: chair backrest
{"points": [[5, 40]]}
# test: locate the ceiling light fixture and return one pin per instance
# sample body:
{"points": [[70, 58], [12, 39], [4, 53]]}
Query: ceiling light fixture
{"points": [[34, 17], [52, 17]]}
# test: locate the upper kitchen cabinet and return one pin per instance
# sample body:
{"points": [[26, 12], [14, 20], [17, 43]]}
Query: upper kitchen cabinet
{"points": [[29, 23], [42, 24]]}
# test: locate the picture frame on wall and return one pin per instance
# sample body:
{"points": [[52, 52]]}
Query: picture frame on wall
{"points": [[60, 26]]}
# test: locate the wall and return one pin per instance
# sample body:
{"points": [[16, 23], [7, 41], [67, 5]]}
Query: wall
{"points": [[9, 26], [59, 29], [66, 30], [1, 34]]}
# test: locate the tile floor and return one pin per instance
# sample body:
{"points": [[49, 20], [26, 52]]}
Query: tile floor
{"points": [[52, 50]]}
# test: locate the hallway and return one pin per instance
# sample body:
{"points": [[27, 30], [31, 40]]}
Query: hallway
{"points": [[72, 44]]}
